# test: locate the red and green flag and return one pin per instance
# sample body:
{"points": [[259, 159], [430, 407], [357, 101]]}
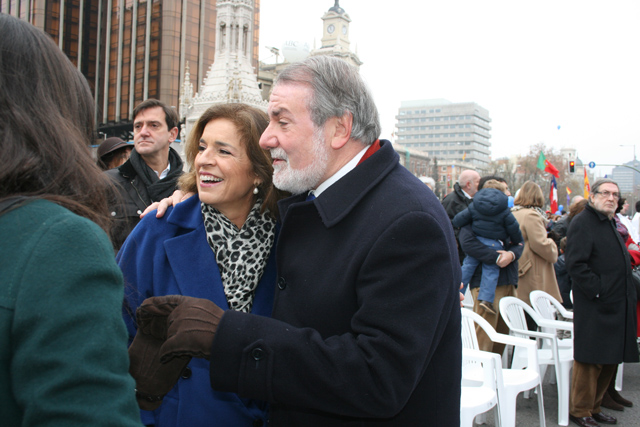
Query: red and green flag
{"points": [[546, 166]]}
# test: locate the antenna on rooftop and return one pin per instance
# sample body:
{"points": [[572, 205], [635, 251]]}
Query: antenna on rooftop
{"points": [[275, 51]]}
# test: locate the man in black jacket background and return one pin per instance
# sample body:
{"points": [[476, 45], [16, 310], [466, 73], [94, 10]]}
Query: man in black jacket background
{"points": [[152, 171], [460, 198]]}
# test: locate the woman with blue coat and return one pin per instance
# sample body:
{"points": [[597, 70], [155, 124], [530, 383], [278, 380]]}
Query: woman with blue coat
{"points": [[218, 245]]}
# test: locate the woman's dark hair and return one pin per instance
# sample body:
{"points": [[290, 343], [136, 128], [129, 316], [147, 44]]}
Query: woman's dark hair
{"points": [[46, 124], [121, 154], [621, 202], [250, 124]]}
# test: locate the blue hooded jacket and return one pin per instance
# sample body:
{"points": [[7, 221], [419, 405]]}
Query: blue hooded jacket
{"points": [[490, 217]]}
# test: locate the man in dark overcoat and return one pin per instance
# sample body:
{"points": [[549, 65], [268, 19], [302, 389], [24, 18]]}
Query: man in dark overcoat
{"points": [[366, 316], [604, 303], [460, 199]]}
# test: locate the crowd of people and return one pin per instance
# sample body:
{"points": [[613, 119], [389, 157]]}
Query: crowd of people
{"points": [[583, 259], [293, 286], [293, 274]]}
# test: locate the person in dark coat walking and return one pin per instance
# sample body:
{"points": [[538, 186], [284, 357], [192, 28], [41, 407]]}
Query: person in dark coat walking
{"points": [[366, 317], [604, 303]]}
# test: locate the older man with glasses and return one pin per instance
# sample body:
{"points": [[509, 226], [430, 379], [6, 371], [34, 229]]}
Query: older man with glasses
{"points": [[604, 301]]}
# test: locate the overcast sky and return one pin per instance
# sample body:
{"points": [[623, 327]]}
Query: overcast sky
{"points": [[535, 65]]}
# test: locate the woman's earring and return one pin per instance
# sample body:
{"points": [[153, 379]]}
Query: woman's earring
{"points": [[255, 190]]}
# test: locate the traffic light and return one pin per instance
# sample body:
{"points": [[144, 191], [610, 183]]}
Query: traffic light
{"points": [[572, 166]]}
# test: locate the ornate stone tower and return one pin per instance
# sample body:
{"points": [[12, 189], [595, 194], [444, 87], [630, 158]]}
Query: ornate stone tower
{"points": [[335, 35], [231, 78]]}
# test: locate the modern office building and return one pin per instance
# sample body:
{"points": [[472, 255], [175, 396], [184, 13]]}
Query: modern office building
{"points": [[450, 132], [628, 178], [133, 50]]}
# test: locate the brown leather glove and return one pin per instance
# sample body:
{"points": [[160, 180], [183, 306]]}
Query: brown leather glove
{"points": [[153, 378], [192, 326]]}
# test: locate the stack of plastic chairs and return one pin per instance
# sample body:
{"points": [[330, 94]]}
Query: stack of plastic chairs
{"points": [[511, 382], [478, 397], [549, 351]]}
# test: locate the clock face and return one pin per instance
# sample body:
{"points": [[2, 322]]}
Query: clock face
{"points": [[344, 29], [331, 29]]}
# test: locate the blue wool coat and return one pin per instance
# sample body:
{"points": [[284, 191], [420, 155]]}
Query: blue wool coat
{"points": [[366, 320], [171, 256]]}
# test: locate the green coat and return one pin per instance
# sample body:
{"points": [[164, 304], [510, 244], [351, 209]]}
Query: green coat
{"points": [[63, 344]]}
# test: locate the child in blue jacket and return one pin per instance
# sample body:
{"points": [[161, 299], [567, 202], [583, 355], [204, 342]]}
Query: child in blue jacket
{"points": [[493, 223]]}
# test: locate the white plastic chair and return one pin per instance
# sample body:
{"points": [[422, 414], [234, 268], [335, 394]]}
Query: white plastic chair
{"points": [[478, 398], [512, 311], [468, 298], [514, 381], [547, 306]]}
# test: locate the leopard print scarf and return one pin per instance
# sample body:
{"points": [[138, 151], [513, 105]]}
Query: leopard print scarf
{"points": [[241, 254]]}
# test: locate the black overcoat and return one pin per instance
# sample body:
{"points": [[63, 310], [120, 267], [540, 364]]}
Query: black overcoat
{"points": [[604, 298], [366, 318], [454, 203]]}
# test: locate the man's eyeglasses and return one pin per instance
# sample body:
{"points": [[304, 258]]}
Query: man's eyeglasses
{"points": [[607, 194]]}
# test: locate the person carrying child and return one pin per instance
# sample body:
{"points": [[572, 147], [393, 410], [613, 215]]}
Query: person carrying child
{"points": [[493, 223]]}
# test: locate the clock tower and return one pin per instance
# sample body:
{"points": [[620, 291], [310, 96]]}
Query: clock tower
{"points": [[336, 27], [335, 35]]}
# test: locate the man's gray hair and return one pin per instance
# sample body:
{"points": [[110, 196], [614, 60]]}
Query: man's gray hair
{"points": [[594, 187], [337, 88]]}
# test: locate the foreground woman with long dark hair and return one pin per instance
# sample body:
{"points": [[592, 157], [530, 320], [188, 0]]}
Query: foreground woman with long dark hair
{"points": [[63, 354]]}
